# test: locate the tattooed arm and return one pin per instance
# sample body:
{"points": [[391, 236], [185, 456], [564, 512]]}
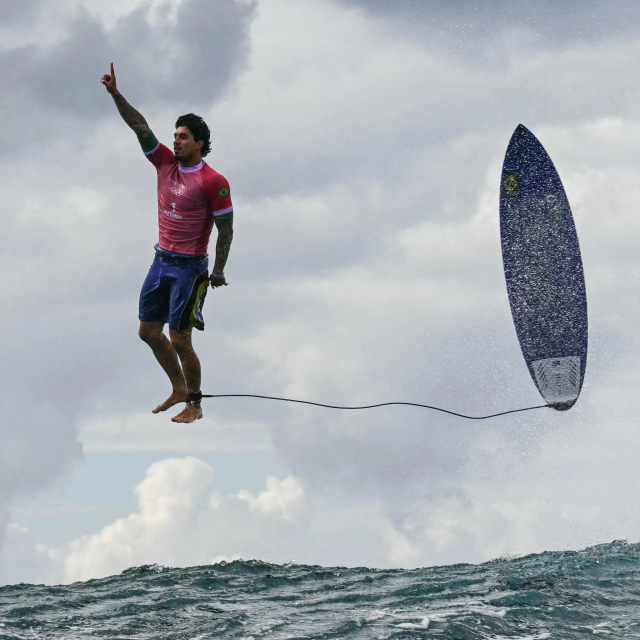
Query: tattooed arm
{"points": [[223, 245], [133, 118]]}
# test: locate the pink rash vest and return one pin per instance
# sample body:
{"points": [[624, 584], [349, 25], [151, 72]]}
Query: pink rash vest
{"points": [[190, 199]]}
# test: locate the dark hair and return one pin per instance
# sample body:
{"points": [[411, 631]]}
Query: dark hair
{"points": [[199, 130]]}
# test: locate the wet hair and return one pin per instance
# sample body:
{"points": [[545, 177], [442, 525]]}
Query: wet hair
{"points": [[199, 130]]}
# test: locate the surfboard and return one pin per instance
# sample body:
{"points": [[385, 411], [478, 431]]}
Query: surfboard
{"points": [[543, 271]]}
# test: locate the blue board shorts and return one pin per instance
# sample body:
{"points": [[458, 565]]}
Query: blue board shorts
{"points": [[174, 291]]}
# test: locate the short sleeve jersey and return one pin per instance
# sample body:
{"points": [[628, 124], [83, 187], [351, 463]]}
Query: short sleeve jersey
{"points": [[190, 199]]}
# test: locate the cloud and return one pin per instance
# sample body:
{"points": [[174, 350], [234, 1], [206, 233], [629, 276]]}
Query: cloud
{"points": [[60, 216], [21, 557], [183, 520], [388, 284], [19, 12], [366, 267], [139, 432], [187, 62], [476, 25], [280, 496], [553, 499], [166, 499], [180, 520]]}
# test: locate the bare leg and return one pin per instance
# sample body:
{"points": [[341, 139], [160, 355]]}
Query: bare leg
{"points": [[153, 335], [181, 342]]}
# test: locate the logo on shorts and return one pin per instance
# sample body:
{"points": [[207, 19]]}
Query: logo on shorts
{"points": [[511, 184], [223, 192]]}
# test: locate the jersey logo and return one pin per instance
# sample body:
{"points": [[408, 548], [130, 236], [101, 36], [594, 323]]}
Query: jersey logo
{"points": [[223, 192]]}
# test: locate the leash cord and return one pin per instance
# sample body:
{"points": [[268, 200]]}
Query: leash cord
{"points": [[374, 406]]}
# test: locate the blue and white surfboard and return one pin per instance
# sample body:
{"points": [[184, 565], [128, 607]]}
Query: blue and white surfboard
{"points": [[543, 269]]}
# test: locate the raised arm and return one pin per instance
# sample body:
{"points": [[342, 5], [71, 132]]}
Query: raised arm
{"points": [[133, 118]]}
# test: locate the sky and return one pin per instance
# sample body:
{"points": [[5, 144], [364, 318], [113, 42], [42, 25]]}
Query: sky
{"points": [[363, 142]]}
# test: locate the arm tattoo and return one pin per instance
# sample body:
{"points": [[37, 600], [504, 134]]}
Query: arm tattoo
{"points": [[132, 117], [223, 245]]}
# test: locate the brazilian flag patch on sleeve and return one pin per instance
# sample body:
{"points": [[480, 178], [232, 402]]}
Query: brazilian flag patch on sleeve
{"points": [[223, 192]]}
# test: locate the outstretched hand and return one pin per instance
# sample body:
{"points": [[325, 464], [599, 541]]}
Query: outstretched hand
{"points": [[109, 81]]}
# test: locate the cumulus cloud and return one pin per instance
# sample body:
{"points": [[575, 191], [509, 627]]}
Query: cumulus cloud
{"points": [[181, 520], [280, 496], [56, 212], [366, 267], [397, 291], [22, 558], [166, 500]]}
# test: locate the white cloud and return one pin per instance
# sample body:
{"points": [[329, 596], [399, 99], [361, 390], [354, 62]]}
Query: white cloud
{"points": [[280, 496], [175, 524], [366, 267], [22, 557], [167, 499]]}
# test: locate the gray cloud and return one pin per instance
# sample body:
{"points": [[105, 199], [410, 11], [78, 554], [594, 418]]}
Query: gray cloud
{"points": [[18, 12], [467, 24], [53, 98], [189, 63], [366, 263]]}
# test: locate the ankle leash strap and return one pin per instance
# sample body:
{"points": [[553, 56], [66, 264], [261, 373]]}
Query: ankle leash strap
{"points": [[194, 398]]}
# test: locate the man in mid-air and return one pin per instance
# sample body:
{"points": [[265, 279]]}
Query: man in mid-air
{"points": [[192, 197]]}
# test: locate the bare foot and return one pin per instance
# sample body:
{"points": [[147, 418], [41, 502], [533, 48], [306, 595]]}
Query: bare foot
{"points": [[190, 413], [175, 398]]}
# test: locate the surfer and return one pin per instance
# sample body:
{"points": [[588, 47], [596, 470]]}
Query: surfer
{"points": [[192, 198]]}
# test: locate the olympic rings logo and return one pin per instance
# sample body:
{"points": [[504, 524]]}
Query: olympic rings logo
{"points": [[176, 192]]}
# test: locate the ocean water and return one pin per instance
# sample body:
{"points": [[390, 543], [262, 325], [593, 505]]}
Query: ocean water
{"points": [[559, 595]]}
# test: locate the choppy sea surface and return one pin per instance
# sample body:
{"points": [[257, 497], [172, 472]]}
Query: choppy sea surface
{"points": [[559, 595]]}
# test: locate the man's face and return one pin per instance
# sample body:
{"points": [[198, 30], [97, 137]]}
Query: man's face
{"points": [[184, 146]]}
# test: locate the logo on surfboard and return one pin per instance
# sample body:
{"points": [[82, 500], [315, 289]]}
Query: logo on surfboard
{"points": [[511, 184]]}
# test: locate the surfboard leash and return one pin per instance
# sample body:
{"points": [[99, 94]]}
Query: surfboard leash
{"points": [[195, 397]]}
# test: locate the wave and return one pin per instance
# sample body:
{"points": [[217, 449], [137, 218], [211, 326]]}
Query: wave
{"points": [[566, 594]]}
